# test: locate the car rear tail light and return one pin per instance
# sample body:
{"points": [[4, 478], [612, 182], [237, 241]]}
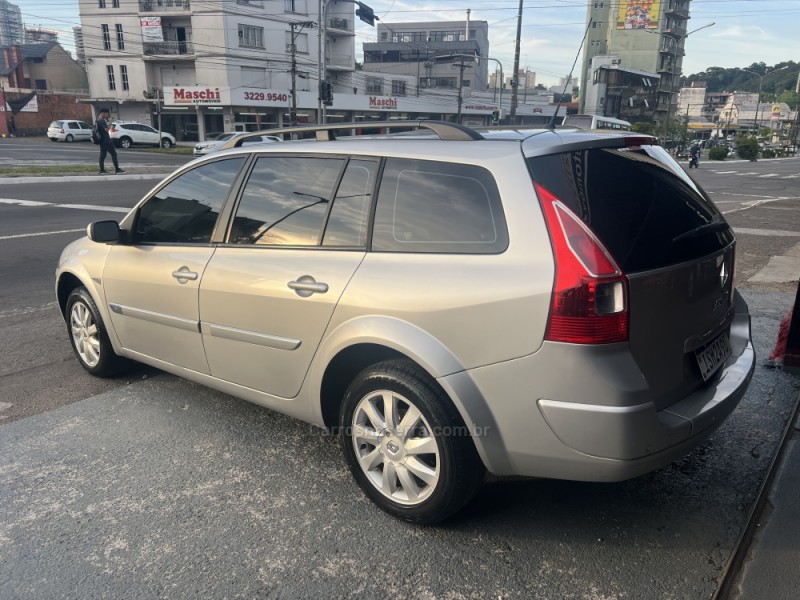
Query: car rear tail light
{"points": [[113, 129], [590, 295], [62, 130]]}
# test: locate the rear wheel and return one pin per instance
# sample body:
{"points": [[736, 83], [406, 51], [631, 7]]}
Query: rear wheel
{"points": [[406, 444], [125, 142], [88, 336], [69, 139], [166, 143]]}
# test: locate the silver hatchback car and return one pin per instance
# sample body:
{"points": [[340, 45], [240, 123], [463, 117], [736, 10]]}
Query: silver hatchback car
{"points": [[548, 303]]}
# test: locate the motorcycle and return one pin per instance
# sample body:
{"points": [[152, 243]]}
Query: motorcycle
{"points": [[694, 160]]}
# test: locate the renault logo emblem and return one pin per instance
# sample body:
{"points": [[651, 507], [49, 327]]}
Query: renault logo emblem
{"points": [[723, 275]]}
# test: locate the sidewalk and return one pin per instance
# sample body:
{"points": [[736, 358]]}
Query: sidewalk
{"points": [[772, 568]]}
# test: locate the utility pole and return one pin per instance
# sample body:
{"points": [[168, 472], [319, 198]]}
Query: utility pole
{"points": [[301, 25], [321, 67], [515, 77], [460, 66]]}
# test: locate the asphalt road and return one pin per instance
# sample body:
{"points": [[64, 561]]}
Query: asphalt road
{"points": [[161, 488], [41, 151]]}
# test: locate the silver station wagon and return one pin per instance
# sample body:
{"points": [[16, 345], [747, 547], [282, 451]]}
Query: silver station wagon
{"points": [[547, 303]]}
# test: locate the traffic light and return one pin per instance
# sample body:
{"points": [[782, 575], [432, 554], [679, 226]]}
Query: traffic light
{"points": [[326, 92], [366, 14], [495, 116]]}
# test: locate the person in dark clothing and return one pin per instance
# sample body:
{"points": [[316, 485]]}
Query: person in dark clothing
{"points": [[12, 127], [106, 145]]}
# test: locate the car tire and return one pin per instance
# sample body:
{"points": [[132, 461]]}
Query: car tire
{"points": [[406, 444], [166, 143], [125, 142], [88, 336], [69, 139]]}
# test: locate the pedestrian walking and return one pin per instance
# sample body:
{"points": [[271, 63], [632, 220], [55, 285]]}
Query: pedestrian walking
{"points": [[12, 127], [106, 145]]}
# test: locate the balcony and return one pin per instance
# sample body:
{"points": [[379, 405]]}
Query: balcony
{"points": [[335, 61], [169, 49], [164, 6], [676, 31], [339, 26], [671, 51], [677, 9]]}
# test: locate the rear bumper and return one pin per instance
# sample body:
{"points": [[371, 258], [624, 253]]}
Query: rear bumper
{"points": [[599, 425]]}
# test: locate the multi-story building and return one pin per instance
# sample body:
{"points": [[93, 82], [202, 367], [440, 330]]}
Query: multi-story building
{"points": [[216, 65], [646, 35], [37, 35], [80, 50], [10, 24], [618, 91], [436, 53]]}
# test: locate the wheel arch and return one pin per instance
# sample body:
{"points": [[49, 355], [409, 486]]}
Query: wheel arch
{"points": [[356, 345]]}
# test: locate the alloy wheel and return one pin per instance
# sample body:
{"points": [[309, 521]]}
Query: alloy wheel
{"points": [[85, 334]]}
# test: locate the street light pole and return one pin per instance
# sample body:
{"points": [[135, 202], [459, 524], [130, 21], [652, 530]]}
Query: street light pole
{"points": [[676, 44], [758, 100]]}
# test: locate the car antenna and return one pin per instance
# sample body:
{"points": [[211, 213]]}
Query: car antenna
{"points": [[552, 124]]}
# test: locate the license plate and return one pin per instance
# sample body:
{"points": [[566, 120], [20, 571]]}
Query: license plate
{"points": [[711, 357]]}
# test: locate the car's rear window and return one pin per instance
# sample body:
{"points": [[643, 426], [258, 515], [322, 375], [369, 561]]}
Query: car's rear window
{"points": [[636, 201], [56, 124]]}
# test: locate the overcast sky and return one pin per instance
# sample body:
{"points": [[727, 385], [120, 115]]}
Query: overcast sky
{"points": [[746, 31]]}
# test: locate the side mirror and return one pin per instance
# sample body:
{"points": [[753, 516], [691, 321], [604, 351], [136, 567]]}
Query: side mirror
{"points": [[104, 232]]}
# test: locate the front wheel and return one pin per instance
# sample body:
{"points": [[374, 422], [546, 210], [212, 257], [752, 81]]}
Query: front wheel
{"points": [[88, 336], [166, 143], [406, 444], [125, 142]]}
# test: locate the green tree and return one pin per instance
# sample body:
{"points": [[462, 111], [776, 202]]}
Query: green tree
{"points": [[645, 127], [789, 97], [747, 147]]}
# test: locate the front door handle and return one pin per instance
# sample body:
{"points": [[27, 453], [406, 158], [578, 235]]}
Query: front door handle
{"points": [[307, 285], [184, 274]]}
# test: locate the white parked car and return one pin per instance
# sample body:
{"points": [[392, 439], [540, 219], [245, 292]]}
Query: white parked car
{"points": [[64, 130], [128, 133], [215, 144]]}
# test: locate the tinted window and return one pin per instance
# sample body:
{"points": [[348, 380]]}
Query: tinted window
{"points": [[426, 206], [285, 201], [55, 124], [84, 125], [347, 223], [186, 210], [73, 125], [635, 201]]}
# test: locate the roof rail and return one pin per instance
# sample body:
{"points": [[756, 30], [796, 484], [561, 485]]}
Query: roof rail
{"points": [[445, 130]]}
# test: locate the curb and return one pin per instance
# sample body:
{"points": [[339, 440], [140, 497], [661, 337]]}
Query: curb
{"points": [[79, 178]]}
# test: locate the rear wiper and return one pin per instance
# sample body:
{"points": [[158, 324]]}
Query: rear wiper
{"points": [[717, 223]]}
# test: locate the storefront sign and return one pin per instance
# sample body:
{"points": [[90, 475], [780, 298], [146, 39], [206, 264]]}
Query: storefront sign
{"points": [[196, 95], [382, 103], [260, 97]]}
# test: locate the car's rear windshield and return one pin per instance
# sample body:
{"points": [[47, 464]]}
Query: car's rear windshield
{"points": [[56, 123], [639, 202]]}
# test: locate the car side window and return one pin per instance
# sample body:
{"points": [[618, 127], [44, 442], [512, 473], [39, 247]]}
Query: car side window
{"points": [[73, 125], [84, 125], [285, 201], [349, 215], [186, 210], [428, 206]]}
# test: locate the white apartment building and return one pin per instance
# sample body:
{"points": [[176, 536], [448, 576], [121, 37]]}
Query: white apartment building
{"points": [[215, 65]]}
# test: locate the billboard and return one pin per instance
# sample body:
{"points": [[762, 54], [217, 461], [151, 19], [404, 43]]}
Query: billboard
{"points": [[151, 29], [638, 14]]}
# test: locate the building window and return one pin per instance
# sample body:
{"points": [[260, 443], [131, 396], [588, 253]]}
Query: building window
{"points": [[300, 42], [101, 3], [384, 36], [375, 86], [123, 71], [295, 6], [398, 87], [114, 3], [250, 36], [41, 84], [250, 2], [112, 82], [120, 38], [106, 38], [447, 36]]}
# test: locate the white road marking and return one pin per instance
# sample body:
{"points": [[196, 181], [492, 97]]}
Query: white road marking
{"points": [[4, 406], [771, 175], [24, 235], [13, 312], [723, 172], [766, 232], [31, 203], [791, 176]]}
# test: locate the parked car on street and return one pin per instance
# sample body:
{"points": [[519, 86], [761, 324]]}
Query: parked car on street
{"points": [[449, 302], [215, 144], [66, 130], [129, 133]]}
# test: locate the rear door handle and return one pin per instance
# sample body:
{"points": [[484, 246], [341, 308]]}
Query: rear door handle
{"points": [[307, 285], [184, 274]]}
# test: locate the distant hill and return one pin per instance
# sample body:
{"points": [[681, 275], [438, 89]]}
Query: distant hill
{"points": [[719, 80]]}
